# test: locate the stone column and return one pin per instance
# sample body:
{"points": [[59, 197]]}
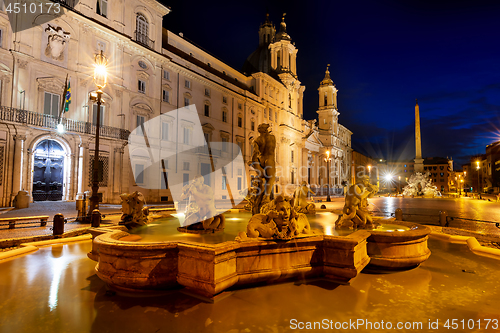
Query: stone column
{"points": [[73, 176], [18, 163], [85, 167], [117, 173]]}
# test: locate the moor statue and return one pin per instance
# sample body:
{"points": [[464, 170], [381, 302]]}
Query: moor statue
{"points": [[264, 163]]}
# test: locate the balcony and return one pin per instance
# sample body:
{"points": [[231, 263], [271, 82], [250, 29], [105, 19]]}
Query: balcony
{"points": [[31, 118], [203, 150], [144, 40]]}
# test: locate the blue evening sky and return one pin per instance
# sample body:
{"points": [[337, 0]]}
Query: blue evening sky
{"points": [[383, 55]]}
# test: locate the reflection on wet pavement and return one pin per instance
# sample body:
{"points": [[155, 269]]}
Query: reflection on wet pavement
{"points": [[56, 290]]}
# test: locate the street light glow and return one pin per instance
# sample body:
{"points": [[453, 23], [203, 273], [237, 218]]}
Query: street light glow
{"points": [[60, 128], [100, 70]]}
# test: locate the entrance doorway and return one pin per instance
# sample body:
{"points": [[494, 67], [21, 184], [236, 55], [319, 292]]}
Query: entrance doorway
{"points": [[48, 171]]}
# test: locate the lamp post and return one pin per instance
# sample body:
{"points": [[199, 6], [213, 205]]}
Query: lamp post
{"points": [[100, 79], [399, 184], [327, 160], [477, 168]]}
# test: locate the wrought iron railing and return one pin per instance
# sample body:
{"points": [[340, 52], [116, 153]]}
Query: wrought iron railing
{"points": [[144, 40], [48, 121]]}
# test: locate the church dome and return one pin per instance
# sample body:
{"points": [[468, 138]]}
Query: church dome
{"points": [[327, 81], [258, 61]]}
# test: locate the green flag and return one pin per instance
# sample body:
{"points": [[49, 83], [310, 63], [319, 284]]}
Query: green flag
{"points": [[67, 101]]}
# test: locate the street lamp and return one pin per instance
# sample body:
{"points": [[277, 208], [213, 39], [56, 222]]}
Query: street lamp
{"points": [[100, 80], [399, 184], [477, 168], [465, 177], [327, 160]]}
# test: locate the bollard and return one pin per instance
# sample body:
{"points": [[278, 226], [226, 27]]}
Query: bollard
{"points": [[58, 225], [399, 214], [96, 218], [443, 221]]}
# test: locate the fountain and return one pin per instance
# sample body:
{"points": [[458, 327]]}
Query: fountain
{"points": [[277, 243], [395, 246], [421, 185]]}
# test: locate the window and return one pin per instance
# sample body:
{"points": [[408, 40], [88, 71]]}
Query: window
{"points": [[102, 7], [224, 144], [265, 113], [139, 124], [51, 104], [142, 29], [164, 131], [207, 110], [224, 99], [166, 96], [207, 92], [239, 106], [276, 116], [185, 178], [186, 135], [166, 75], [186, 101], [141, 86], [239, 183], [240, 121], [185, 166], [224, 183], [252, 125], [139, 174], [240, 172], [187, 84], [291, 156], [94, 115], [1, 37], [270, 115], [224, 116]]}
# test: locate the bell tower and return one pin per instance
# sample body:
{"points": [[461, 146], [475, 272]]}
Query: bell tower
{"points": [[266, 32], [283, 52], [327, 112]]}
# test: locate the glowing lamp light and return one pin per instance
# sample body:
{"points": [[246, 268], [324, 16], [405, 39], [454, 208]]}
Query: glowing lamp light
{"points": [[388, 177], [60, 128], [100, 70]]}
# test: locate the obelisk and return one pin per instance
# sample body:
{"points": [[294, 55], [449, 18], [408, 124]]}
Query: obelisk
{"points": [[419, 161]]}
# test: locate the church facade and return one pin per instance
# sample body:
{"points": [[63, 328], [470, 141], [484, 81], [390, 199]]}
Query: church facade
{"points": [[151, 71]]}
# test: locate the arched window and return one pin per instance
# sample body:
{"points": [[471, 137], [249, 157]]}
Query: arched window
{"points": [[278, 60], [289, 100], [142, 29], [326, 99]]}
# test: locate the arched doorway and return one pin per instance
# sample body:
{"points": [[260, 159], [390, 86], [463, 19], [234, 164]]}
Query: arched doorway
{"points": [[48, 171]]}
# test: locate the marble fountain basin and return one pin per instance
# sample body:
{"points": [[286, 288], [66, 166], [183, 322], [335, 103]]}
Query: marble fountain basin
{"points": [[402, 246], [208, 269]]}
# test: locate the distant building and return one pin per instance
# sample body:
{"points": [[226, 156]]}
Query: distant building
{"points": [[441, 172], [483, 172]]}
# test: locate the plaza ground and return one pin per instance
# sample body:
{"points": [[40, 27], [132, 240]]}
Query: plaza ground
{"points": [[55, 289]]}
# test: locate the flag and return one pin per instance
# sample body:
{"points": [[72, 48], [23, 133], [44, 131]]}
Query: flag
{"points": [[67, 101]]}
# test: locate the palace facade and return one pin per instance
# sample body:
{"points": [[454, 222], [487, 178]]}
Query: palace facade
{"points": [[151, 71]]}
